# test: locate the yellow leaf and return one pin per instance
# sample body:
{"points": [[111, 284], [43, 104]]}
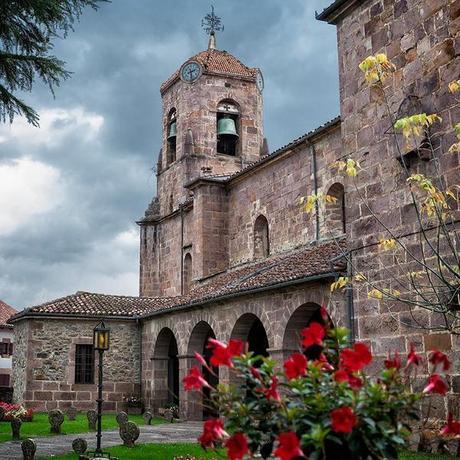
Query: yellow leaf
{"points": [[341, 282], [387, 244], [360, 277], [351, 167], [330, 199], [375, 294], [454, 86]]}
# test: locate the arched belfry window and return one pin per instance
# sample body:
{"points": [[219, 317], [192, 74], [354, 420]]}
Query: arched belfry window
{"points": [[261, 238], [227, 127], [187, 273], [335, 211], [171, 136]]}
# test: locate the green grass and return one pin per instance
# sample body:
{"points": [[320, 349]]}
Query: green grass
{"points": [[41, 427], [169, 451], [154, 452]]}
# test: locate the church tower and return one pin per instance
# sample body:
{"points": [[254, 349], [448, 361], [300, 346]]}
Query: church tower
{"points": [[212, 127]]}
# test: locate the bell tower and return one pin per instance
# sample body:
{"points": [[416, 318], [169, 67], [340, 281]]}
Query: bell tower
{"points": [[212, 127]]}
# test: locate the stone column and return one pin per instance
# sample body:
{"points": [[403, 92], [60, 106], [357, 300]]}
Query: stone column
{"points": [[159, 383], [189, 401]]}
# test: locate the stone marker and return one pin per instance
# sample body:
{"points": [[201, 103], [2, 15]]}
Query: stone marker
{"points": [[56, 419], [169, 415], [16, 423], [129, 432], [2, 413], [72, 413], [122, 418], [92, 419], [79, 446], [148, 417], [29, 447]]}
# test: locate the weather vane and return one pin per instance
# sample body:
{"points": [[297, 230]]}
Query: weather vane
{"points": [[212, 23]]}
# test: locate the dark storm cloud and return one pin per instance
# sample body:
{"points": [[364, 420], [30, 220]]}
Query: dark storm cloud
{"points": [[100, 137]]}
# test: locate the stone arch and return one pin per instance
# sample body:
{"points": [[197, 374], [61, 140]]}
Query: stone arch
{"points": [[198, 406], [261, 238], [228, 144], [299, 319], [334, 211], [171, 136], [249, 328], [188, 273], [165, 369]]}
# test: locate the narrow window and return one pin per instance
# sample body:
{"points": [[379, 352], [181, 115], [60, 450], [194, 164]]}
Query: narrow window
{"points": [[187, 273], [4, 380], [172, 136], [84, 364], [227, 128], [335, 211], [261, 238]]}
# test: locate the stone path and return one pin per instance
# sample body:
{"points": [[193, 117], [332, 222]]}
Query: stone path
{"points": [[58, 445]]}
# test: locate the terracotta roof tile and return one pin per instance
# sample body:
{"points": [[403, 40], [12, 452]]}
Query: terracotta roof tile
{"points": [[296, 265], [216, 62], [5, 313]]}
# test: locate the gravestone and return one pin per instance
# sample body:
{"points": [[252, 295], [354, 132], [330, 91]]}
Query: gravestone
{"points": [[16, 428], [129, 432], [2, 413], [29, 447], [92, 419], [122, 418], [79, 446], [56, 418], [72, 413], [148, 417]]}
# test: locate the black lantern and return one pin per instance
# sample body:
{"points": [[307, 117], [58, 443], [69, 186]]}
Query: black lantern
{"points": [[101, 337]]}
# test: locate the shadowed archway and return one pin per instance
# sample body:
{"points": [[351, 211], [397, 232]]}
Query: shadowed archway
{"points": [[165, 370]]}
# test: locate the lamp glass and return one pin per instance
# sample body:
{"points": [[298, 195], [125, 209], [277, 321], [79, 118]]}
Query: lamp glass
{"points": [[101, 337]]}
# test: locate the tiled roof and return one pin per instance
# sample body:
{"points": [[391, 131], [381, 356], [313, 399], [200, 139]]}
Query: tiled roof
{"points": [[5, 313], [300, 264], [216, 62]]}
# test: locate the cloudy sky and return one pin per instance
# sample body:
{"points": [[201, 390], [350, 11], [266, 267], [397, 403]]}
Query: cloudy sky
{"points": [[71, 190]]}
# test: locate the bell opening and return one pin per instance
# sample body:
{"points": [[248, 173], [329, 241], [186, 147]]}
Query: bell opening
{"points": [[227, 134]]}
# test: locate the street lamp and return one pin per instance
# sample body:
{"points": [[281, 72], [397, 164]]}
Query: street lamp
{"points": [[101, 343]]}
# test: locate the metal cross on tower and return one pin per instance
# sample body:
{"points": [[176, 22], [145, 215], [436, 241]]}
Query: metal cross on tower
{"points": [[212, 23]]}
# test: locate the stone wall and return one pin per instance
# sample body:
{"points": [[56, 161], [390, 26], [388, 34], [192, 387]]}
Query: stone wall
{"points": [[283, 314], [421, 37], [44, 370]]}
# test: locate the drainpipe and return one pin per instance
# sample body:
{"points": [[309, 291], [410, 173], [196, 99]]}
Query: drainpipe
{"points": [[181, 249], [350, 305], [139, 327], [315, 187]]}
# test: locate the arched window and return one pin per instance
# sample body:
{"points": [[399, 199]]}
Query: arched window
{"points": [[172, 136], [227, 127], [335, 211], [187, 273], [261, 238]]}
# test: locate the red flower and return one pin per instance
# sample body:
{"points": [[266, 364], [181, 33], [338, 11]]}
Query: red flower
{"points": [[288, 446], [237, 446], [412, 357], [393, 363], [222, 354], [194, 380], [313, 335], [452, 427], [200, 359], [255, 373], [323, 363], [355, 359], [272, 391], [437, 357], [324, 314], [295, 366], [213, 430], [342, 376], [343, 420], [436, 385]]}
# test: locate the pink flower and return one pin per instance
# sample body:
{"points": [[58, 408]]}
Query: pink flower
{"points": [[343, 420], [288, 446], [313, 335], [436, 385], [438, 358], [237, 446], [295, 366], [412, 357], [355, 359], [222, 354], [200, 359], [323, 363], [272, 391], [393, 363], [452, 427], [194, 380], [213, 430]]}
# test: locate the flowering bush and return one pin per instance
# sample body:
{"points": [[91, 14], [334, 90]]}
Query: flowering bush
{"points": [[16, 410], [325, 404]]}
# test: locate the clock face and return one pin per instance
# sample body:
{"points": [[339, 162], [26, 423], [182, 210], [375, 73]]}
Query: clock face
{"points": [[260, 81], [191, 71]]}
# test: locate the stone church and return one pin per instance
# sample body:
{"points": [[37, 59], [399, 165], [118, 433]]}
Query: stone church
{"points": [[225, 249]]}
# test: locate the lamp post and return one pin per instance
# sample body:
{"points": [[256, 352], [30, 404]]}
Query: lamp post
{"points": [[101, 342]]}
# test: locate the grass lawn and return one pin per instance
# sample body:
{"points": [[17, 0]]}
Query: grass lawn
{"points": [[41, 427], [169, 451]]}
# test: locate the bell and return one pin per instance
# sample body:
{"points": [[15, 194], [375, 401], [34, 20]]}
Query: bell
{"points": [[226, 126], [172, 130]]}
